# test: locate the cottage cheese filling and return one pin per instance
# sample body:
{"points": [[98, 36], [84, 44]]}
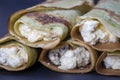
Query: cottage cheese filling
{"points": [[13, 56], [112, 62], [70, 59], [93, 32], [34, 35]]}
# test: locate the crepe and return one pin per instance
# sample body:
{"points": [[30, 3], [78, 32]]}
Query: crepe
{"points": [[70, 56], [109, 63], [100, 27], [46, 25], [15, 56]]}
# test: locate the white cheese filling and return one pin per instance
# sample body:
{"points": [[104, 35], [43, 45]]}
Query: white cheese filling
{"points": [[13, 56], [54, 55], [112, 62], [92, 32], [70, 59], [34, 35]]}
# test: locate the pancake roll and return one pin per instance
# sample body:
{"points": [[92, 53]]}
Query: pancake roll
{"points": [[100, 27], [109, 63], [46, 25], [15, 56], [70, 56]]}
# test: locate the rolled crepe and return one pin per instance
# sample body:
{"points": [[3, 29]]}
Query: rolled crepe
{"points": [[69, 57], [109, 63], [46, 24], [15, 56], [100, 28]]}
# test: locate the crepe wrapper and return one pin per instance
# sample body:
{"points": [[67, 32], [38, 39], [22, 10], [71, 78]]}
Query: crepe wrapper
{"points": [[8, 41], [107, 13], [100, 68], [39, 13], [43, 58]]}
